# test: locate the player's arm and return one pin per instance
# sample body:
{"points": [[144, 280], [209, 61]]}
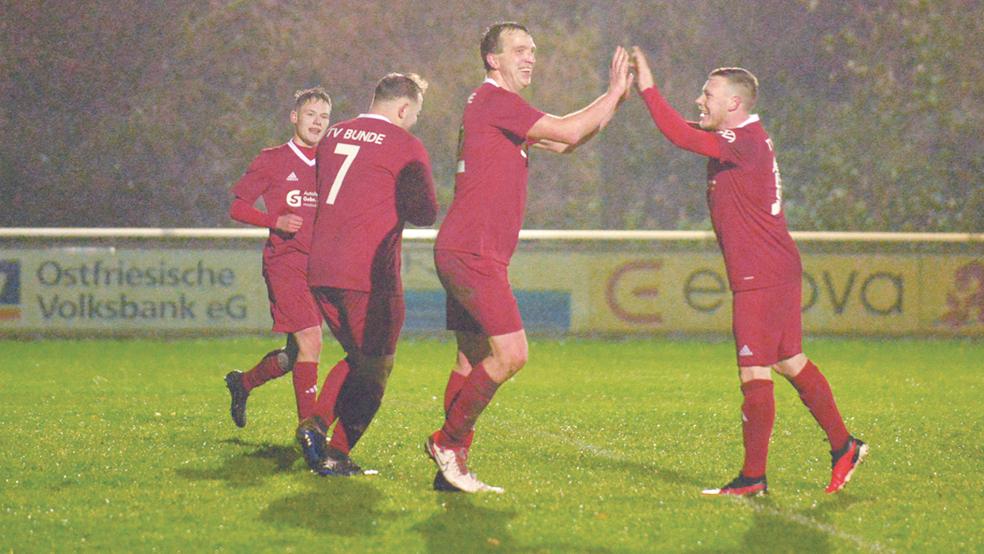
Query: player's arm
{"points": [[576, 128], [243, 211], [416, 197], [553, 146], [246, 191], [560, 147], [673, 126]]}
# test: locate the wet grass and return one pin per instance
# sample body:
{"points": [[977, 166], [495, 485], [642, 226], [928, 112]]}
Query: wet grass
{"points": [[602, 446]]}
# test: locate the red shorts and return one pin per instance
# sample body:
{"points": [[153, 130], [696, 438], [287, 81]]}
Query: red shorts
{"points": [[368, 322], [767, 324], [479, 298], [291, 305]]}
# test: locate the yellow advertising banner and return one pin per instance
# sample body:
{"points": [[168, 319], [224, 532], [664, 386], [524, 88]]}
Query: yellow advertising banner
{"points": [[861, 294], [109, 290], [951, 293], [668, 292], [869, 294]]}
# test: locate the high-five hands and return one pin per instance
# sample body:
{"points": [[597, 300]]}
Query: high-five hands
{"points": [[619, 77], [644, 75]]}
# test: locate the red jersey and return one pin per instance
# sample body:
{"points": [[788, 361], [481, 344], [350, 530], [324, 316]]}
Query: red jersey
{"points": [[284, 177], [372, 177], [490, 185], [744, 194]]}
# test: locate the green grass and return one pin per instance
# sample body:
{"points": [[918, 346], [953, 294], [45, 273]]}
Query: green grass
{"points": [[602, 446]]}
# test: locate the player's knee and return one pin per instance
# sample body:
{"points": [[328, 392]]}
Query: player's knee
{"points": [[286, 358], [514, 360], [309, 344], [791, 367]]}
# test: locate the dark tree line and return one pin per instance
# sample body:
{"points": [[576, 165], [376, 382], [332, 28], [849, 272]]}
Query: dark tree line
{"points": [[122, 114]]}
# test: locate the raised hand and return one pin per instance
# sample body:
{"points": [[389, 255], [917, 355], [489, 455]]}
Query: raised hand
{"points": [[619, 78], [628, 86], [644, 75]]}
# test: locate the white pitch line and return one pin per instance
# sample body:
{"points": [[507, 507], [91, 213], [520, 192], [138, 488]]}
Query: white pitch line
{"points": [[816, 525], [781, 514]]}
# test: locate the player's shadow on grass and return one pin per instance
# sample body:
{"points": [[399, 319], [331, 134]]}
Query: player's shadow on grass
{"points": [[462, 524], [605, 462], [342, 506], [249, 468], [775, 529]]}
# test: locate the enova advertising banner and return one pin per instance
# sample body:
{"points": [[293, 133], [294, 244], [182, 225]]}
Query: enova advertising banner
{"points": [[144, 291]]}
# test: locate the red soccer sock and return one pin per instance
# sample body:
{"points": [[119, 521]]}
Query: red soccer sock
{"points": [[339, 439], [474, 396], [758, 416], [268, 368], [814, 391], [455, 382], [325, 406], [305, 388]]}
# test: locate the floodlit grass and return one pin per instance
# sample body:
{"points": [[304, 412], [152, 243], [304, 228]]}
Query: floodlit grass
{"points": [[602, 446]]}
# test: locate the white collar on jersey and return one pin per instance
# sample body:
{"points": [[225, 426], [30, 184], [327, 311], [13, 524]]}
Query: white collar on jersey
{"points": [[751, 119], [300, 154], [375, 116], [492, 82]]}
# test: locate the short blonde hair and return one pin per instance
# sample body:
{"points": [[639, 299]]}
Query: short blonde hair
{"points": [[742, 79], [399, 85], [304, 96]]}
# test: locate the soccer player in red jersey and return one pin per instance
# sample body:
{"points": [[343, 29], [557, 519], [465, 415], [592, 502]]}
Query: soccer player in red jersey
{"points": [[285, 177], [479, 235], [744, 194], [373, 176]]}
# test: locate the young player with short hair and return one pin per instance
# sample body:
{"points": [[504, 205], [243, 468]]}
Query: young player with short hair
{"points": [[744, 194], [285, 177]]}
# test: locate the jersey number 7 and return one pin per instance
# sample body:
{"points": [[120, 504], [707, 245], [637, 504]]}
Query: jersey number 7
{"points": [[350, 151]]}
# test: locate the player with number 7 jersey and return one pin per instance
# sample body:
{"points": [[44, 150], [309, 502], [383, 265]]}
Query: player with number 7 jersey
{"points": [[373, 176]]}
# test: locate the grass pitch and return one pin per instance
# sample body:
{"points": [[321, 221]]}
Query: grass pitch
{"points": [[602, 447]]}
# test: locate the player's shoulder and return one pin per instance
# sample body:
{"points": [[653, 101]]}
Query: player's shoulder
{"points": [[388, 128], [502, 95], [272, 155], [494, 94], [415, 145], [750, 129], [404, 141], [269, 156], [277, 150]]}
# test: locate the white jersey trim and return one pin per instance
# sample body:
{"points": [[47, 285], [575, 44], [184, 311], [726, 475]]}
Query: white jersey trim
{"points": [[491, 81], [751, 119], [300, 154], [375, 116]]}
